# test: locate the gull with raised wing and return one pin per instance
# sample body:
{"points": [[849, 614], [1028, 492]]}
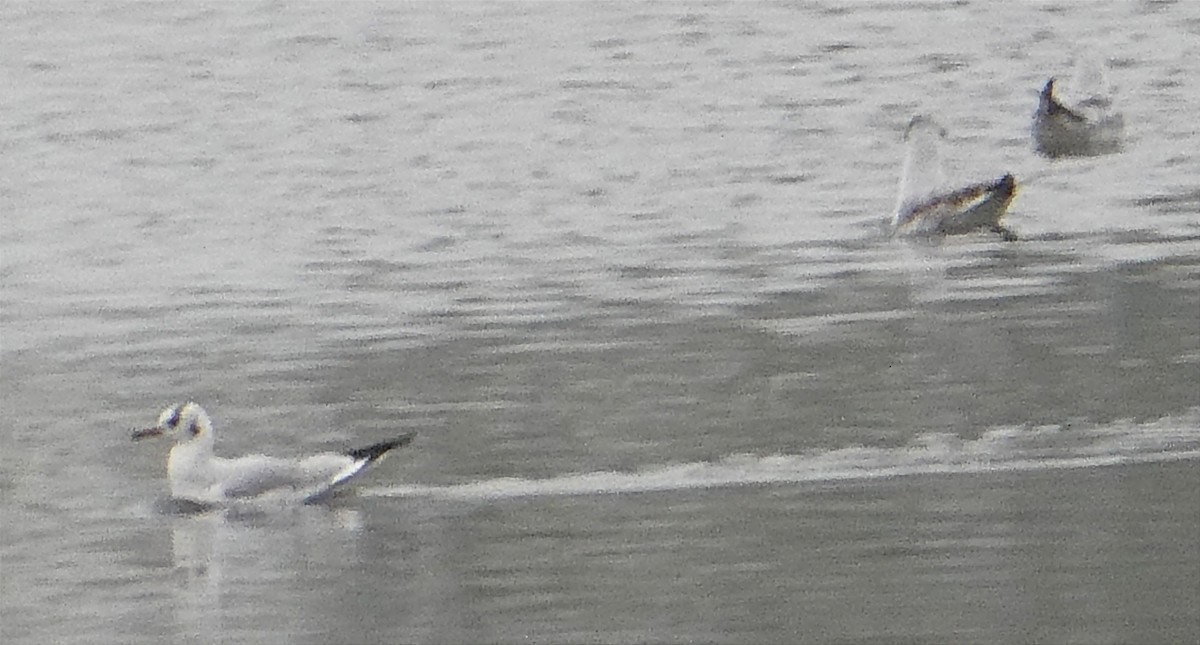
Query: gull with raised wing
{"points": [[927, 205], [1087, 125], [198, 476]]}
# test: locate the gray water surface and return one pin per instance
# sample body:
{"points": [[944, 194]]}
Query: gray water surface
{"points": [[621, 266]]}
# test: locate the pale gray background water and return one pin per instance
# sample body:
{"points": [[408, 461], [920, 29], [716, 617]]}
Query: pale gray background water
{"points": [[621, 267]]}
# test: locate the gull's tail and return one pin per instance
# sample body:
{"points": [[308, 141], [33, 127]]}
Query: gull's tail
{"points": [[362, 458], [376, 451], [1050, 106]]}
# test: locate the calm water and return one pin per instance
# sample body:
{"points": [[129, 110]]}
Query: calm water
{"points": [[621, 266]]}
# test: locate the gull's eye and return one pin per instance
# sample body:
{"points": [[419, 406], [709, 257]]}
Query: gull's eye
{"points": [[173, 420]]}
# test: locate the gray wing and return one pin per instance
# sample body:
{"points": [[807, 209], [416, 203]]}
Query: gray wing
{"points": [[257, 475]]}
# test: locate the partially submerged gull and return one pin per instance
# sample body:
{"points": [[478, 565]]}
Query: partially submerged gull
{"points": [[928, 206], [1084, 122]]}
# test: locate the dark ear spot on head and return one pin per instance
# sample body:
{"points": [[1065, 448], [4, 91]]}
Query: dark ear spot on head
{"points": [[194, 428]]}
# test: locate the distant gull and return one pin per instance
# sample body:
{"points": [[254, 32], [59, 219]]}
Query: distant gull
{"points": [[1086, 126], [199, 477], [927, 206]]}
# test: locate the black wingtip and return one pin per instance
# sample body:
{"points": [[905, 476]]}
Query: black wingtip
{"points": [[1007, 184], [375, 451]]}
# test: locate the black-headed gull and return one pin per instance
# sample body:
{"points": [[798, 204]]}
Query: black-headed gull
{"points": [[1086, 126], [927, 206], [199, 476]]}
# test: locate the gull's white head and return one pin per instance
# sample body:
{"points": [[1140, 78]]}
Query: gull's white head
{"points": [[187, 421]]}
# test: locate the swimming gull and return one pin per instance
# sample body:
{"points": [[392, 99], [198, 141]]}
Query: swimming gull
{"points": [[200, 477]]}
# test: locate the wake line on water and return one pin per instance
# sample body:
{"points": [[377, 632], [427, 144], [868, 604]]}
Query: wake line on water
{"points": [[720, 475], [998, 451]]}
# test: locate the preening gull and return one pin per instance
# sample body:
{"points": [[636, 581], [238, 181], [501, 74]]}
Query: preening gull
{"points": [[198, 476], [927, 205]]}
